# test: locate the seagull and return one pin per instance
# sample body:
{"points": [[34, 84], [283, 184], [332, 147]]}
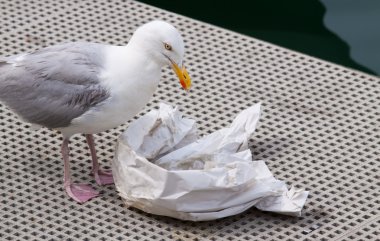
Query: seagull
{"points": [[87, 88]]}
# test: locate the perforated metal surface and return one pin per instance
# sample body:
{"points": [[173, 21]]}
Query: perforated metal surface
{"points": [[319, 130]]}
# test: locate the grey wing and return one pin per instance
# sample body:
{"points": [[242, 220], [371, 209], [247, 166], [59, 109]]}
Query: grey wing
{"points": [[54, 85]]}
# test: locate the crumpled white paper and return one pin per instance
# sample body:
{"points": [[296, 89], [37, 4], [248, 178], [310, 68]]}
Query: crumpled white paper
{"points": [[161, 167]]}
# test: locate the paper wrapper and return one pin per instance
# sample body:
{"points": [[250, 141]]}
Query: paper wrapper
{"points": [[161, 167]]}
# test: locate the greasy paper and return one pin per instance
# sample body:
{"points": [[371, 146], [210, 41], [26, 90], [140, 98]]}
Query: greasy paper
{"points": [[162, 167]]}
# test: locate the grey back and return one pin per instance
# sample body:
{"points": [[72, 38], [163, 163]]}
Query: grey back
{"points": [[54, 85]]}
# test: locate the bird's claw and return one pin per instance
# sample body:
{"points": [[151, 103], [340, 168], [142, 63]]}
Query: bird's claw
{"points": [[103, 177], [81, 192]]}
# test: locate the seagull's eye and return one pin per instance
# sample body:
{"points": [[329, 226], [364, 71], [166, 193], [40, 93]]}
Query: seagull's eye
{"points": [[167, 46]]}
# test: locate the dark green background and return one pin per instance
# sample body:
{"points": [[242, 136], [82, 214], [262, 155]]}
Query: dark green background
{"points": [[294, 24]]}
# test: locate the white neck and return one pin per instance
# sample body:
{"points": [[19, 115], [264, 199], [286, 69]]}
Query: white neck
{"points": [[131, 77], [129, 67]]}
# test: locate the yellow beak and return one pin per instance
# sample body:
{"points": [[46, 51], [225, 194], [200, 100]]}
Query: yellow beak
{"points": [[182, 75]]}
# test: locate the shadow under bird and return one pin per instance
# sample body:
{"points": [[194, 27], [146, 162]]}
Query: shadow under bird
{"points": [[87, 88]]}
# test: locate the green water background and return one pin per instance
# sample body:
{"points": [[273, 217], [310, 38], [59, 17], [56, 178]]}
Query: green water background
{"points": [[293, 24]]}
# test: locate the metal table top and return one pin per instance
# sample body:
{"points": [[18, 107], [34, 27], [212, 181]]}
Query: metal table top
{"points": [[319, 130]]}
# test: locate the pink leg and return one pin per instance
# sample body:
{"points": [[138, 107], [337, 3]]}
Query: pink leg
{"points": [[79, 192], [101, 177]]}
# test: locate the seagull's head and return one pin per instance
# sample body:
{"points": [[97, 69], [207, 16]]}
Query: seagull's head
{"points": [[164, 43]]}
